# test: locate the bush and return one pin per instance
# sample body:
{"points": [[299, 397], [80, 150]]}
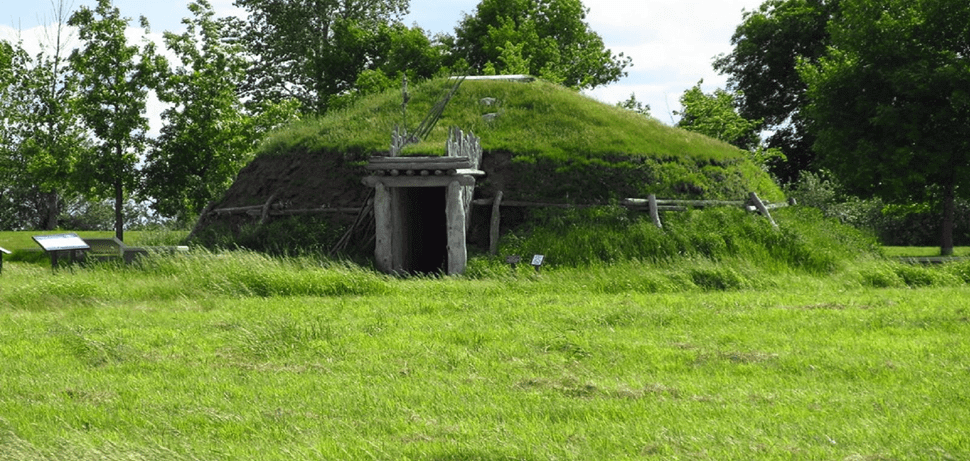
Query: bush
{"points": [[918, 224]]}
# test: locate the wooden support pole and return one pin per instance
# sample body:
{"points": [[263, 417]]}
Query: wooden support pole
{"points": [[455, 218], [762, 208], [493, 233], [383, 248], [654, 214], [265, 211]]}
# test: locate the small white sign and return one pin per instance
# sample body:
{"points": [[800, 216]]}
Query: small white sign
{"points": [[537, 260]]}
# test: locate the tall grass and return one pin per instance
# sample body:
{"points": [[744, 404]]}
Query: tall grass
{"points": [[804, 241], [199, 356], [197, 274]]}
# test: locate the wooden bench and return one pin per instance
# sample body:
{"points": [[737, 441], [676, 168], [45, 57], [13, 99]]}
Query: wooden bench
{"points": [[105, 249]]}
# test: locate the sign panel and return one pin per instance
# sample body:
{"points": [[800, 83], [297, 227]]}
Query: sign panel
{"points": [[58, 242], [4, 251]]}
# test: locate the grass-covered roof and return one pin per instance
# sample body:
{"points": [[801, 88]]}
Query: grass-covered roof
{"points": [[562, 143], [534, 118]]}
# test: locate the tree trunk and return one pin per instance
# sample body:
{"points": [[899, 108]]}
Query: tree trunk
{"points": [[949, 210], [119, 210], [50, 211]]}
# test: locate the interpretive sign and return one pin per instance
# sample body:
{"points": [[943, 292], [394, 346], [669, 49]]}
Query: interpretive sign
{"points": [[59, 242], [537, 261], [56, 244]]}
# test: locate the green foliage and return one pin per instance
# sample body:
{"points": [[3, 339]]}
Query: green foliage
{"points": [[82, 215], [761, 68], [635, 105], [889, 102], [114, 79], [318, 52], [895, 225], [715, 115], [546, 39], [41, 137], [208, 134]]}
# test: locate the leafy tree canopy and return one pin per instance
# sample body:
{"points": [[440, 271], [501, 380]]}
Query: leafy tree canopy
{"points": [[634, 104], [768, 45], [41, 136], [315, 51], [208, 134], [544, 38], [890, 101], [715, 115], [114, 80]]}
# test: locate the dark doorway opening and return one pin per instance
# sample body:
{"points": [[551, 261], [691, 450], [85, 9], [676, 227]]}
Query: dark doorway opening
{"points": [[424, 230]]}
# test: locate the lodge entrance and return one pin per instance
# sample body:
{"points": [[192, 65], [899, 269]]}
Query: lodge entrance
{"points": [[423, 229], [422, 206]]}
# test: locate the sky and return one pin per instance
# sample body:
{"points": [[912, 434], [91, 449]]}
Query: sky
{"points": [[672, 42]]}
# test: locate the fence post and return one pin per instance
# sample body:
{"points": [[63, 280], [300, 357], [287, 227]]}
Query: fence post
{"points": [[762, 208], [654, 214], [494, 231]]}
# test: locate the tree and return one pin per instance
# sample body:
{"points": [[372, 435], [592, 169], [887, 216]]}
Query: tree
{"points": [[398, 51], [114, 81], [544, 38], [716, 116], [311, 50], [768, 45], [890, 102], [43, 132], [208, 133], [634, 104]]}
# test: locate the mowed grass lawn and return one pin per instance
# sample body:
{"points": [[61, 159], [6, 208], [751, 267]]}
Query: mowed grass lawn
{"points": [[243, 357]]}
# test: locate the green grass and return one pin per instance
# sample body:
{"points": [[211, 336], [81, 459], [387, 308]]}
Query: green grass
{"points": [[717, 338], [242, 356], [922, 251], [12, 240]]}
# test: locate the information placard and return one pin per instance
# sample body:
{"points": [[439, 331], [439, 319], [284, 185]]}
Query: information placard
{"points": [[60, 242]]}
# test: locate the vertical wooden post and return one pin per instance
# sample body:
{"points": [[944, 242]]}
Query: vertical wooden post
{"points": [[455, 218], [383, 248], [762, 208], [654, 214], [494, 230]]}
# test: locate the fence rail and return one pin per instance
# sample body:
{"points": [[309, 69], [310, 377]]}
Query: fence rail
{"points": [[651, 204]]}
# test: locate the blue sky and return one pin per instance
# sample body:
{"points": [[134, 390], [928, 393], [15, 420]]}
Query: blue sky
{"points": [[672, 42]]}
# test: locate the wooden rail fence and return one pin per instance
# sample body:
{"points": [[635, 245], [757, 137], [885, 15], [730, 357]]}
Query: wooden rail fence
{"points": [[651, 205]]}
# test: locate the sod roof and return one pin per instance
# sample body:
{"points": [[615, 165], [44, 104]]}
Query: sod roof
{"points": [[544, 141], [537, 118]]}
